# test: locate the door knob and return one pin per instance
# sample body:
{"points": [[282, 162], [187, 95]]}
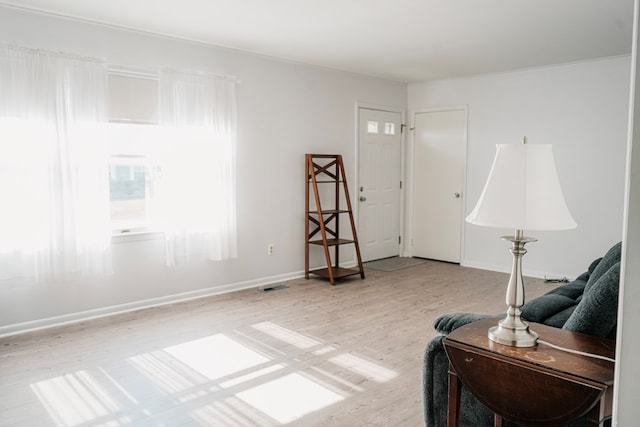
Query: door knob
{"points": [[456, 195], [363, 199]]}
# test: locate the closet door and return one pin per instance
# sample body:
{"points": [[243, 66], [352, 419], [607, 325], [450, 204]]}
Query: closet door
{"points": [[439, 160]]}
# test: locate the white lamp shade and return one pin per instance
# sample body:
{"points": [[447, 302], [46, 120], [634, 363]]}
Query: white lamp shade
{"points": [[523, 191]]}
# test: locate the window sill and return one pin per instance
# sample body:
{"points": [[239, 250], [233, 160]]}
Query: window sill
{"points": [[120, 236]]}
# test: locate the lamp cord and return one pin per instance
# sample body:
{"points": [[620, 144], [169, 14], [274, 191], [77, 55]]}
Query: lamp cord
{"points": [[581, 353]]}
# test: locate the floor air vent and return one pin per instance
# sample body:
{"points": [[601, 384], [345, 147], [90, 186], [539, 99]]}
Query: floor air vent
{"points": [[271, 288]]}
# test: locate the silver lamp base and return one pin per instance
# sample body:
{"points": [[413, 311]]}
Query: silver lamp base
{"points": [[513, 334], [512, 330]]}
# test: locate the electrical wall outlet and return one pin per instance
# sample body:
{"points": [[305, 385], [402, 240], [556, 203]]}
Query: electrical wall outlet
{"points": [[271, 249]]}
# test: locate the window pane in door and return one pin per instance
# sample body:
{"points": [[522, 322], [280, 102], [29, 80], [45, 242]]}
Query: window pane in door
{"points": [[389, 128]]}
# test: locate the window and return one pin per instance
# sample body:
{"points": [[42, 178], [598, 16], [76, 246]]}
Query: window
{"points": [[129, 189], [133, 168], [172, 166], [133, 138], [146, 168]]}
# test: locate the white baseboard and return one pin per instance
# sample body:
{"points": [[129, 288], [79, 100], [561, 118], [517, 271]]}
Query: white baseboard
{"points": [[49, 322], [502, 269]]}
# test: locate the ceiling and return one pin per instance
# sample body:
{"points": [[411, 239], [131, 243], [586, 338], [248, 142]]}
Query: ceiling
{"points": [[402, 40]]}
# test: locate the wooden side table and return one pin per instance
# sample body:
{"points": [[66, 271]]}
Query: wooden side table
{"points": [[537, 385]]}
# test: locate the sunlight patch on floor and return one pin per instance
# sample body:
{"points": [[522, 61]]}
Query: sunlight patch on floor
{"points": [[286, 335], [216, 356], [230, 413], [77, 398], [215, 380], [252, 375], [171, 379], [290, 397], [324, 350], [337, 379]]}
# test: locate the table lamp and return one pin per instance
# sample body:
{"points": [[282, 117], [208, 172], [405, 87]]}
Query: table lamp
{"points": [[523, 193]]}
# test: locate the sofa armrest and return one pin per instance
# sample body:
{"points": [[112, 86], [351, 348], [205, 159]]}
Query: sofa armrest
{"points": [[449, 322], [435, 383]]}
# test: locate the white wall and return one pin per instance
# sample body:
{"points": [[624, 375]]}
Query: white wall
{"points": [[284, 111], [582, 109]]}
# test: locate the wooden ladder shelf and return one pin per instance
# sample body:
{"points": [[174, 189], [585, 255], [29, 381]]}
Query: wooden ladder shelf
{"points": [[328, 170]]}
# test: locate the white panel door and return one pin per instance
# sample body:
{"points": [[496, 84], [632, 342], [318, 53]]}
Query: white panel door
{"points": [[439, 159], [380, 147]]}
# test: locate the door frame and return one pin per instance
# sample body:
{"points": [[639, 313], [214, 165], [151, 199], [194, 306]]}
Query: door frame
{"points": [[403, 163], [411, 168]]}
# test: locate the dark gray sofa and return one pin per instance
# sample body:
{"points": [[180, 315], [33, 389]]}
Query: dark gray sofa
{"points": [[589, 305]]}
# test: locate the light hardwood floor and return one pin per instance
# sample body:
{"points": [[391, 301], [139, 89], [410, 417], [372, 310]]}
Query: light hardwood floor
{"points": [[308, 355]]}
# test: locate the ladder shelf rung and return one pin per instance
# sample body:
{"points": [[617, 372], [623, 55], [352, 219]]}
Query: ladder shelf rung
{"points": [[329, 211], [338, 272], [332, 242]]}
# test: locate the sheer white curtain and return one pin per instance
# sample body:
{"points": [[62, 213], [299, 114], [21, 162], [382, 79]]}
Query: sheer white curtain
{"points": [[196, 192], [54, 219]]}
